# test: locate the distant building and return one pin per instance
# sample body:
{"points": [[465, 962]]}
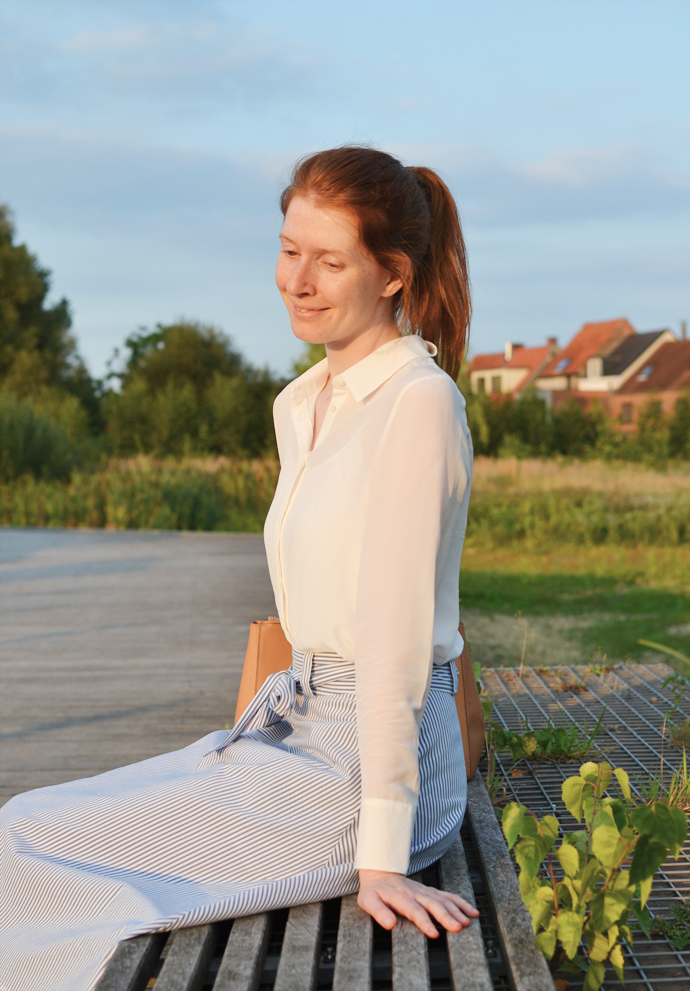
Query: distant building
{"points": [[633, 353], [512, 370], [663, 377], [584, 356]]}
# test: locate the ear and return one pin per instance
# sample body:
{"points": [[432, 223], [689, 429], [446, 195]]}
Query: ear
{"points": [[398, 278]]}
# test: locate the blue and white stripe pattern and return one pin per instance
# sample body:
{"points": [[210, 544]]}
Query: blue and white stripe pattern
{"points": [[259, 818]]}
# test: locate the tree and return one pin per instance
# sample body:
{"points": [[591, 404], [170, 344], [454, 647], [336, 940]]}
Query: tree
{"points": [[37, 350], [186, 390]]}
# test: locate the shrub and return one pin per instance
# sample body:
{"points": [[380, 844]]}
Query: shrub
{"points": [[607, 870], [30, 444]]}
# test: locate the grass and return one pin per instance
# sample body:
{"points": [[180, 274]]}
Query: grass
{"points": [[583, 604], [565, 562]]}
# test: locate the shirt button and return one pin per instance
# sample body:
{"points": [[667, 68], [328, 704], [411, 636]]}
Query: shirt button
{"points": [[333, 409], [340, 383]]}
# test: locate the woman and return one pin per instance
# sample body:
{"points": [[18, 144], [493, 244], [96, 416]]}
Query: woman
{"points": [[347, 772]]}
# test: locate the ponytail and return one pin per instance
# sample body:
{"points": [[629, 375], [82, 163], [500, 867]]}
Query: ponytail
{"points": [[440, 304], [403, 214]]}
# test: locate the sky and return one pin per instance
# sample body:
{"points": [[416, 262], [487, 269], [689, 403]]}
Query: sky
{"points": [[144, 145]]}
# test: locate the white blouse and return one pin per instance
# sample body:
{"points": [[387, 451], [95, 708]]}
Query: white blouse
{"points": [[364, 540]]}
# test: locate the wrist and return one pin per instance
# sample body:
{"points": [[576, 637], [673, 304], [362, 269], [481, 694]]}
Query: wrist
{"points": [[366, 875]]}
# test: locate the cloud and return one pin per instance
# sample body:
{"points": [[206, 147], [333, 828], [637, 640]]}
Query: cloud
{"points": [[192, 56], [567, 185]]}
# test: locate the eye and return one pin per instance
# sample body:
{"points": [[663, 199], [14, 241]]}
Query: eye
{"points": [[290, 252]]}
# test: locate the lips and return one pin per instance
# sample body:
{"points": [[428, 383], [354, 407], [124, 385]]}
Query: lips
{"points": [[308, 313]]}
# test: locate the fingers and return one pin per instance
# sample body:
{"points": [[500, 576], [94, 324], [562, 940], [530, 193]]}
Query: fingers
{"points": [[371, 902], [416, 902]]}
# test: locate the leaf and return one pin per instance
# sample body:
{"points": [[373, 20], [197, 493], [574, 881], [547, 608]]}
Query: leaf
{"points": [[608, 846], [549, 827], [657, 820], [681, 822], [540, 914], [528, 886], [603, 817], [574, 791], [570, 931], [617, 961], [594, 977], [607, 908], [623, 780], [620, 816], [599, 949], [645, 890], [627, 935], [648, 857], [529, 854], [510, 822], [604, 778], [547, 943], [589, 772], [621, 881], [568, 858], [644, 919], [529, 745]]}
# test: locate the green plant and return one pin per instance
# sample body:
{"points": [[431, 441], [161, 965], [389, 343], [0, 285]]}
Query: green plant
{"points": [[607, 868], [676, 929], [551, 743]]}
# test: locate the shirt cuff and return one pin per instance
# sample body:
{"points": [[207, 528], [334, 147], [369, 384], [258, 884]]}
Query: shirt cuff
{"points": [[385, 835]]}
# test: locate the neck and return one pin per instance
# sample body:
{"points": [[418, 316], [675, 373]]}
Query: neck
{"points": [[344, 354]]}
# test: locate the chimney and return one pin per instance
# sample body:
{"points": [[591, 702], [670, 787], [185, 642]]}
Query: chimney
{"points": [[684, 330], [553, 341], [508, 352]]}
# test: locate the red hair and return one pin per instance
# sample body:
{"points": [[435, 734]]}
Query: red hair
{"points": [[403, 213]]}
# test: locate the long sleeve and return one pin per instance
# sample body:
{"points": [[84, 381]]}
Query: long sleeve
{"points": [[415, 514]]}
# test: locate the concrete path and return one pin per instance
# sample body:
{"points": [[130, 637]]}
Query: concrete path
{"points": [[116, 646]]}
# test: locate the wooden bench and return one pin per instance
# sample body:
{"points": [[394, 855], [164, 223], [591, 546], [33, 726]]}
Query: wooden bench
{"points": [[335, 944]]}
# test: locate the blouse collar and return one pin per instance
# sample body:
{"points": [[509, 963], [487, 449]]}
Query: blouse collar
{"points": [[369, 373]]}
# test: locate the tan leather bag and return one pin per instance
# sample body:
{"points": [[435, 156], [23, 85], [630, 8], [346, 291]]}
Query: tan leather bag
{"points": [[268, 652]]}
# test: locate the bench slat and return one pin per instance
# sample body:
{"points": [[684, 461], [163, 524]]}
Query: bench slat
{"points": [[243, 960], [132, 963], [468, 962], [299, 959], [353, 955], [188, 959], [410, 958], [525, 960]]}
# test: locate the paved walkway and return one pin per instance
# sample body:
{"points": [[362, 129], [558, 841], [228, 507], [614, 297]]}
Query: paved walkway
{"points": [[116, 646]]}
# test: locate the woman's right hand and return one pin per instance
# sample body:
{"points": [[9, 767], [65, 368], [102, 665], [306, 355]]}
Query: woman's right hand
{"points": [[383, 894]]}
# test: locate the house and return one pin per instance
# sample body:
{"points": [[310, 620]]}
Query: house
{"points": [[593, 343], [512, 370], [634, 352], [663, 377]]}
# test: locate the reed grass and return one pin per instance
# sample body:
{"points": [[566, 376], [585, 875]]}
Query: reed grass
{"points": [[143, 493], [534, 505]]}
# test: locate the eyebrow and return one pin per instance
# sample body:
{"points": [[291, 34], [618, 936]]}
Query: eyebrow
{"points": [[319, 251]]}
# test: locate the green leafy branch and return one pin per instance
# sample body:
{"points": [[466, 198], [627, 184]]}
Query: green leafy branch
{"points": [[607, 867]]}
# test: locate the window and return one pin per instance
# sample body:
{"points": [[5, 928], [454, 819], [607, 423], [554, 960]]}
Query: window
{"points": [[481, 385], [645, 373], [563, 363], [595, 368], [627, 413], [495, 383]]}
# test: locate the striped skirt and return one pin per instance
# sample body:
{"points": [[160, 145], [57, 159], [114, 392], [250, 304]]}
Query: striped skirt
{"points": [[262, 817]]}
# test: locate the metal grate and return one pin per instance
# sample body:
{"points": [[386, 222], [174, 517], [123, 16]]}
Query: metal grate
{"points": [[635, 705]]}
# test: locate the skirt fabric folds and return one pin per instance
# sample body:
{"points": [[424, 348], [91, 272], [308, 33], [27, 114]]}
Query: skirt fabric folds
{"points": [[260, 818]]}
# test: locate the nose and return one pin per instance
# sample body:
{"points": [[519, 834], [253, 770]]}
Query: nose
{"points": [[300, 282]]}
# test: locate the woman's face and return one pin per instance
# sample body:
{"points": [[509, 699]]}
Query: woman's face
{"points": [[334, 290]]}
